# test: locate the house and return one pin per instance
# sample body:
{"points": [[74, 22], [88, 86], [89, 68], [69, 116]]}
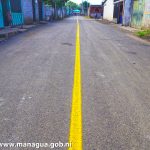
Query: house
{"points": [[141, 14], [11, 10], [95, 10], [135, 13], [119, 11], [108, 10], [20, 12]]}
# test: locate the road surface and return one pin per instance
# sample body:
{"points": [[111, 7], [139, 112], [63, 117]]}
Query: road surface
{"points": [[37, 79]]}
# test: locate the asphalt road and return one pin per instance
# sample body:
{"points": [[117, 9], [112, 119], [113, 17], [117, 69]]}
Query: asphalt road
{"points": [[36, 80]]}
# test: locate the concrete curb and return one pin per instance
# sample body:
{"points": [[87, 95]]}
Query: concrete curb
{"points": [[139, 39]]}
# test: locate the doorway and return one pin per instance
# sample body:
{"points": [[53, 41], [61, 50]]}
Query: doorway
{"points": [[33, 9], [40, 10], [6, 9]]}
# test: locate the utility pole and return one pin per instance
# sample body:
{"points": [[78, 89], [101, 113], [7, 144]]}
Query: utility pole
{"points": [[54, 8], [62, 5], [87, 6], [82, 8]]}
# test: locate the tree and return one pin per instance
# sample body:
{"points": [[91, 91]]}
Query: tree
{"points": [[85, 5], [72, 5], [59, 3], [48, 2], [56, 4]]}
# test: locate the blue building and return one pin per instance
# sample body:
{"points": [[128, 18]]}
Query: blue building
{"points": [[127, 15], [1, 16], [11, 13], [18, 12], [32, 11]]}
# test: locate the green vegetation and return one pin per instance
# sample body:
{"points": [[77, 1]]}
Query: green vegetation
{"points": [[85, 5], [48, 2], [59, 3], [72, 5], [143, 33]]}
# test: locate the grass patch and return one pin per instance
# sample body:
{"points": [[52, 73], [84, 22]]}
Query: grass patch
{"points": [[143, 33], [87, 17]]}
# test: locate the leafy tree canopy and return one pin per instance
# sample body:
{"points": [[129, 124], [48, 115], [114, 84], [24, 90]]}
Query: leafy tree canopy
{"points": [[72, 5], [59, 3], [85, 4]]}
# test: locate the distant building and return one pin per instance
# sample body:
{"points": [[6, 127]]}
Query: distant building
{"points": [[95, 10], [76, 12]]}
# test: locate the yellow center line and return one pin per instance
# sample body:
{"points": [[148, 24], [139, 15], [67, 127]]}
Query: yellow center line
{"points": [[75, 136]]}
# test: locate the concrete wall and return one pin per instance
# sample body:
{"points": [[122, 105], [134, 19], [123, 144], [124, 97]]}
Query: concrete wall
{"points": [[138, 12], [128, 5], [27, 11], [146, 16], [47, 12], [36, 10], [141, 14], [108, 10]]}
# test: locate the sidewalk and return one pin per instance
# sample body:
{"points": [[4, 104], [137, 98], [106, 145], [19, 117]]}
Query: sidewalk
{"points": [[127, 28], [132, 33], [130, 30], [8, 32]]}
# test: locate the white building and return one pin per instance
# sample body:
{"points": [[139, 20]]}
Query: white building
{"points": [[108, 10]]}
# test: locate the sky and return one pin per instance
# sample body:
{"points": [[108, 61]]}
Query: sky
{"points": [[90, 1]]}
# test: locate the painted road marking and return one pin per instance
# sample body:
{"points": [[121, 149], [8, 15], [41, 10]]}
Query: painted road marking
{"points": [[75, 136]]}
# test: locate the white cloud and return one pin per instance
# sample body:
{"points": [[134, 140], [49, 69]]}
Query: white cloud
{"points": [[90, 1]]}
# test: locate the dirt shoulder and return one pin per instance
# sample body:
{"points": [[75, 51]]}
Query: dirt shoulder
{"points": [[137, 33]]}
